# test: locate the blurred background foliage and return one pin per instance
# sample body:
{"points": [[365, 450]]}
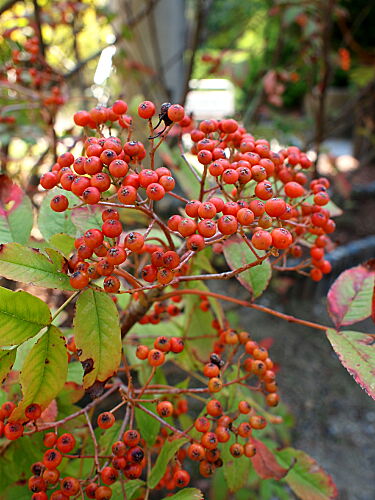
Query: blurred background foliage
{"points": [[301, 70]]}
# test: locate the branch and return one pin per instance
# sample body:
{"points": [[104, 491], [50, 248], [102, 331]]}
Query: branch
{"points": [[38, 23], [286, 317]]}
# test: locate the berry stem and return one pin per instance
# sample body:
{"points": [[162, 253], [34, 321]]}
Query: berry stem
{"points": [[94, 440], [62, 307]]}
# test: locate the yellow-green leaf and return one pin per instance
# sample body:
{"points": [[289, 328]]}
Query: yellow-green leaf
{"points": [[7, 359], [28, 265], [97, 335], [44, 372], [21, 316], [186, 494]]}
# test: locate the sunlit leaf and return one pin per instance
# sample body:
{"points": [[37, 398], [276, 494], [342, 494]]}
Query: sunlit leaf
{"points": [[29, 265], [186, 494], [97, 336]]}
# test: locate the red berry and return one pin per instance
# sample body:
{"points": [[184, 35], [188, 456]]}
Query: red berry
{"points": [[52, 459], [164, 409], [112, 228], [70, 486], [106, 420], [66, 442], [59, 203], [91, 195], [33, 411], [49, 180], [79, 280], [119, 107], [281, 238], [176, 113], [146, 109], [131, 437]]}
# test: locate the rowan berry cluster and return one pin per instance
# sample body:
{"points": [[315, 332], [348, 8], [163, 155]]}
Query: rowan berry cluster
{"points": [[246, 188], [28, 67], [13, 430]]}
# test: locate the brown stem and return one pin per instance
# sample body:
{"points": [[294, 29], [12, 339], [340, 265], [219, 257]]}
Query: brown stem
{"points": [[38, 23], [52, 425], [286, 317]]}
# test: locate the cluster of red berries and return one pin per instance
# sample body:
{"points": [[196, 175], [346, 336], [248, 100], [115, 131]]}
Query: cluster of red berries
{"points": [[160, 312], [268, 200], [13, 430], [254, 358], [29, 68], [162, 346]]}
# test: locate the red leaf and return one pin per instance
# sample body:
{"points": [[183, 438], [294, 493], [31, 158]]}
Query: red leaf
{"points": [[11, 196], [265, 463], [350, 297]]}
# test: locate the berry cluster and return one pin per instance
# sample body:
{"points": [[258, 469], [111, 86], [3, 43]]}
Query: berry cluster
{"points": [[28, 67], [246, 189], [13, 430], [162, 346]]}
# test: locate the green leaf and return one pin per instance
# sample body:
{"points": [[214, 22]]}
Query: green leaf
{"points": [[44, 372], [132, 489], [7, 359], [187, 494], [148, 426], [21, 316], [97, 334], [75, 373], [350, 297], [356, 351], [238, 254], [28, 265], [16, 212], [85, 218], [168, 451], [235, 469], [50, 222], [306, 478], [63, 243], [17, 457], [108, 437]]}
